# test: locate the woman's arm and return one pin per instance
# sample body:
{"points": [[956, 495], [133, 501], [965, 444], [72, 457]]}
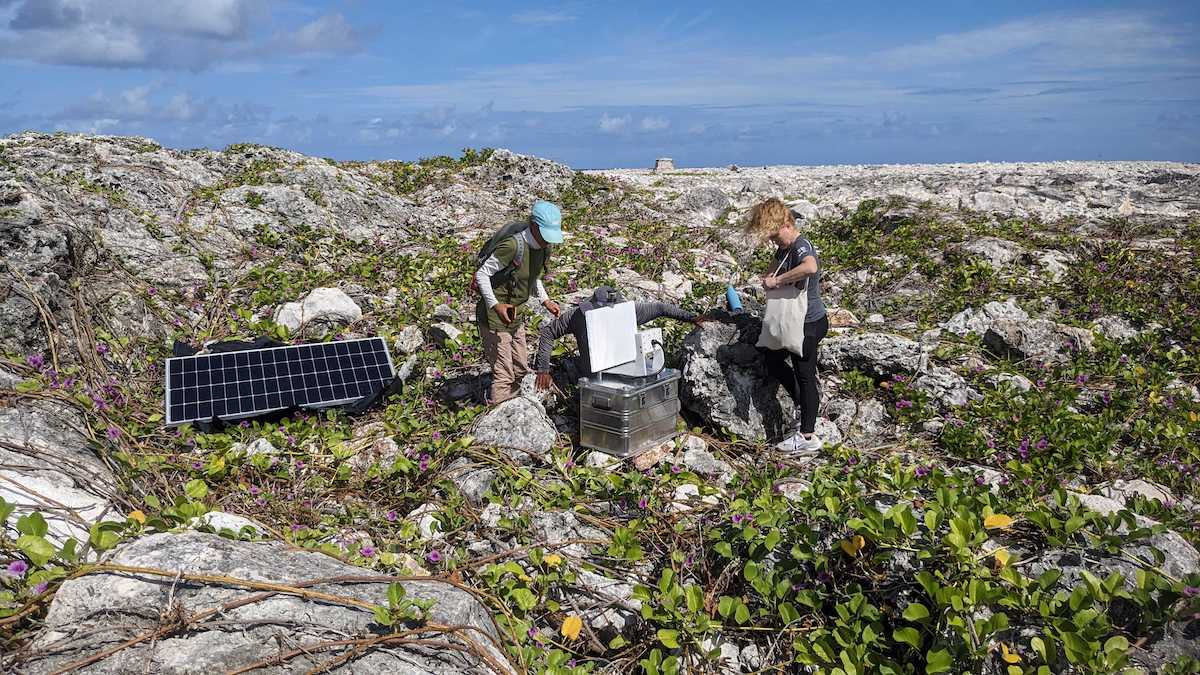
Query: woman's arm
{"points": [[806, 268]]}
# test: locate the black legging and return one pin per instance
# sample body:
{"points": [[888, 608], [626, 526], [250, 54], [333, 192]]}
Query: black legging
{"points": [[800, 377]]}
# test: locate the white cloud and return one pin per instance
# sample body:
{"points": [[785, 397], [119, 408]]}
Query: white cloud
{"points": [[542, 17], [166, 34], [654, 123], [330, 33], [613, 125]]}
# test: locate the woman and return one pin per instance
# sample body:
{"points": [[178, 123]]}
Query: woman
{"points": [[795, 262]]}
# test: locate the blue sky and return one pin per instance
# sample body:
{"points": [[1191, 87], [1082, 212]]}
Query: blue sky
{"points": [[616, 84]]}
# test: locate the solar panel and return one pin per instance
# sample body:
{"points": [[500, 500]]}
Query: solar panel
{"points": [[237, 385]]}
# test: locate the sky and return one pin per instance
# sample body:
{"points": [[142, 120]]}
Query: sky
{"points": [[617, 84]]}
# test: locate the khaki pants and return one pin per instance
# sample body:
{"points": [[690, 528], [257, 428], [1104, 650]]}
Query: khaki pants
{"points": [[508, 356]]}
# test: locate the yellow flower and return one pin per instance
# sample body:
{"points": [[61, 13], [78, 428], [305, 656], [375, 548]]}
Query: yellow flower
{"points": [[997, 521], [139, 517], [552, 560], [571, 627]]}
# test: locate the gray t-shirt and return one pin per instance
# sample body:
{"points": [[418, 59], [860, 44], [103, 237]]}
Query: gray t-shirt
{"points": [[791, 257]]}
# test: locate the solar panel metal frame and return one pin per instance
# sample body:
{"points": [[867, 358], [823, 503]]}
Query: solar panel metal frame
{"points": [[379, 346]]}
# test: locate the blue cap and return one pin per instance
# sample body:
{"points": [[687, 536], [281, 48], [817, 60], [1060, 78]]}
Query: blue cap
{"points": [[548, 219]]}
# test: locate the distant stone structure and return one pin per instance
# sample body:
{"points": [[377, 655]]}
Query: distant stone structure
{"points": [[664, 164]]}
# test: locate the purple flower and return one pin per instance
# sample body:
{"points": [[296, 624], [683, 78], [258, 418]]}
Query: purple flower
{"points": [[254, 490], [1191, 591], [899, 378], [532, 633], [295, 527], [299, 464], [197, 466], [1023, 451], [921, 471], [1103, 267], [675, 468], [113, 433], [1106, 397], [437, 435], [101, 348], [642, 503], [738, 518], [367, 551], [1042, 443], [852, 461], [35, 361], [979, 480], [152, 290], [1124, 359], [424, 462], [17, 568], [991, 443], [903, 403], [1081, 378], [435, 556], [40, 588], [391, 516], [245, 424]]}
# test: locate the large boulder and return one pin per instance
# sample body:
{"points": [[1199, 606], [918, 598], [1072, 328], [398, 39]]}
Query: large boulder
{"points": [[977, 321], [321, 305], [1036, 339], [283, 630], [46, 465], [946, 387], [877, 354], [519, 427], [724, 381], [997, 252]]}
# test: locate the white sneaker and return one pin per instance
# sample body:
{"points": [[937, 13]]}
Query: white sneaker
{"points": [[798, 444]]}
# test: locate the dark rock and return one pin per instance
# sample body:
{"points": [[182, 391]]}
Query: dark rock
{"points": [[724, 381]]}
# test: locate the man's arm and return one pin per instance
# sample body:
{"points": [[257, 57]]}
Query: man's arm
{"points": [[548, 334], [483, 279], [649, 311]]}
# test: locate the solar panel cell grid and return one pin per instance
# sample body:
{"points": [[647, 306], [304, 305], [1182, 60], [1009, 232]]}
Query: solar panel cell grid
{"points": [[247, 383]]}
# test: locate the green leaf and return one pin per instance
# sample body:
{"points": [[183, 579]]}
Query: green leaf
{"points": [[382, 616], [669, 638], [6, 510], [938, 661], [788, 612], [742, 615], [1116, 645], [617, 642], [909, 636], [396, 593], [34, 524], [196, 489], [916, 612], [750, 571], [37, 548], [524, 598], [725, 606], [68, 550]]}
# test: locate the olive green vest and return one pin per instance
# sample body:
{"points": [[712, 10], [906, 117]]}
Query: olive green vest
{"points": [[516, 290]]}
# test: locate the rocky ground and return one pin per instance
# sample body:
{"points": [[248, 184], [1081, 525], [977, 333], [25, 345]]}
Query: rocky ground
{"points": [[1009, 402]]}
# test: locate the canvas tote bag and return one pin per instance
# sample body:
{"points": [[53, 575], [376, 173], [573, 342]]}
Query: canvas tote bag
{"points": [[783, 320]]}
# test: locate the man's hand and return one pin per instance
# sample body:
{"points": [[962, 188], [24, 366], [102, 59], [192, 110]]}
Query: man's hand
{"points": [[701, 320], [506, 312], [770, 282], [542, 382], [552, 307]]}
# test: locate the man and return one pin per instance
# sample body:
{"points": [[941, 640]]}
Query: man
{"points": [[516, 264], [573, 322]]}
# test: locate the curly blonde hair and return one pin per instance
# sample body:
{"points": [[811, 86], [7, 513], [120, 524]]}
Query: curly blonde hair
{"points": [[767, 217]]}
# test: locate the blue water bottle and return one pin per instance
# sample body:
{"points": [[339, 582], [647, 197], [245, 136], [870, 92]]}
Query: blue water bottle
{"points": [[732, 299]]}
